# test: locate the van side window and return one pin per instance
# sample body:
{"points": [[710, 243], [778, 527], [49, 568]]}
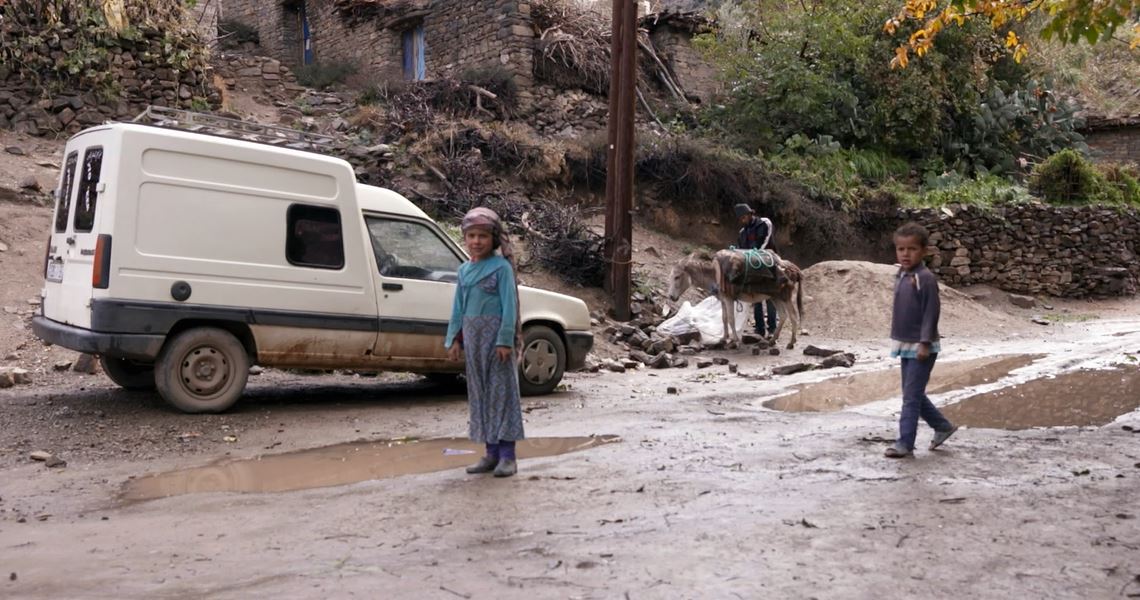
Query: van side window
{"points": [[411, 250], [313, 237], [88, 190], [63, 203]]}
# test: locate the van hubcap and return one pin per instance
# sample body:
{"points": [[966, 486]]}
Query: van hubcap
{"points": [[539, 361], [204, 371]]}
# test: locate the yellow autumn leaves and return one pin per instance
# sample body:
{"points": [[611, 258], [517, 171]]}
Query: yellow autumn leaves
{"points": [[1070, 20]]}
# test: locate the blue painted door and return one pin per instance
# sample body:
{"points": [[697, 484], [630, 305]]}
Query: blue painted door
{"points": [[306, 37], [414, 67]]}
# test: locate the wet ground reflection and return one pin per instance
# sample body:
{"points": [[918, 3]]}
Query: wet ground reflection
{"points": [[338, 465]]}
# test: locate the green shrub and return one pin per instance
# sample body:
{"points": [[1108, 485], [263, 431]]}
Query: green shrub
{"points": [[1067, 178], [1028, 122], [324, 75], [1125, 178]]}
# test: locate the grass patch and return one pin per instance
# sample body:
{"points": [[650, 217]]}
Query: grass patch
{"points": [[952, 188], [841, 172]]}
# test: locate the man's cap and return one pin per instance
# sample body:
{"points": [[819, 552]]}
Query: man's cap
{"points": [[741, 210]]}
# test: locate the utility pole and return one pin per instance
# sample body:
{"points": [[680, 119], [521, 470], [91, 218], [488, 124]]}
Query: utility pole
{"points": [[619, 156]]}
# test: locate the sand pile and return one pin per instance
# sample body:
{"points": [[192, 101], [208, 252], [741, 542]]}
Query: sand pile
{"points": [[852, 300]]}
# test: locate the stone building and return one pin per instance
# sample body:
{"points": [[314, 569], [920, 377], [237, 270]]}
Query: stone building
{"points": [[1113, 140], [427, 39], [412, 39]]}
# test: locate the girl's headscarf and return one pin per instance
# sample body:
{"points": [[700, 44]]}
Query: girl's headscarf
{"points": [[481, 216]]}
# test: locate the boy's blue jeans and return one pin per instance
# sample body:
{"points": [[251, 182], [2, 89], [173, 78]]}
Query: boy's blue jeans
{"points": [[915, 375]]}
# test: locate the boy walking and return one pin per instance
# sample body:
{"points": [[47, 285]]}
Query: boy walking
{"points": [[914, 339]]}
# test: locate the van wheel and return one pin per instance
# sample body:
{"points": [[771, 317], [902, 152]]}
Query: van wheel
{"points": [[202, 370], [543, 361], [128, 374]]}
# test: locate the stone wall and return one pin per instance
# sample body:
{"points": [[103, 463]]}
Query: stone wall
{"points": [[1117, 144], [482, 34], [269, 18], [694, 74], [1035, 249], [140, 75], [203, 18], [242, 11], [367, 46]]}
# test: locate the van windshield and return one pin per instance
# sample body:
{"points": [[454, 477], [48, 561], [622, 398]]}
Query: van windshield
{"points": [[411, 250]]}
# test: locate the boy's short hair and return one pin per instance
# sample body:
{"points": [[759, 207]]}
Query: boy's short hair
{"points": [[914, 230]]}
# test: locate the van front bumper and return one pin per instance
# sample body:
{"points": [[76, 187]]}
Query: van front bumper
{"points": [[578, 345], [134, 346]]}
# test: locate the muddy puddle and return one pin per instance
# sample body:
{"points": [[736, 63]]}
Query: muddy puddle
{"points": [[338, 465], [1079, 398], [863, 388]]}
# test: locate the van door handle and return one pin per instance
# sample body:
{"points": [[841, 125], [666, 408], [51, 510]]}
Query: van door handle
{"points": [[70, 240], [392, 287]]}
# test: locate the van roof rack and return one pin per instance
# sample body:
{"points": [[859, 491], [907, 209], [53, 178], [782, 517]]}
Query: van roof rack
{"points": [[177, 118]]}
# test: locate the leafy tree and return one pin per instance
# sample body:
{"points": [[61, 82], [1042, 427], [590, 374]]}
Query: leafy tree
{"points": [[1067, 20], [792, 68]]}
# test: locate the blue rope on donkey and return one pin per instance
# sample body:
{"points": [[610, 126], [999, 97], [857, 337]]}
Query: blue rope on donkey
{"points": [[756, 259]]}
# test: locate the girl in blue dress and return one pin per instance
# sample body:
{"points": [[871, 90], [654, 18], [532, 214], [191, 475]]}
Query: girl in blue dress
{"points": [[485, 326]]}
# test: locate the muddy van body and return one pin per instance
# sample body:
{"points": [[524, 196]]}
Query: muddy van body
{"points": [[182, 259]]}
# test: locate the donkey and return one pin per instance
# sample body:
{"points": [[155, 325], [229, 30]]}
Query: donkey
{"points": [[788, 281], [695, 270]]}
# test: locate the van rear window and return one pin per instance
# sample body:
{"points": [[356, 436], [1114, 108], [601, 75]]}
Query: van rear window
{"points": [[313, 237], [88, 190], [63, 203]]}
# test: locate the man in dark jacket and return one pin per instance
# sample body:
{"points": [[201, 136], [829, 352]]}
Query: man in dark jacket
{"points": [[756, 232]]}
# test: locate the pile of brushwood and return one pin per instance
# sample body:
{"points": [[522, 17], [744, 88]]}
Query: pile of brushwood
{"points": [[557, 236]]}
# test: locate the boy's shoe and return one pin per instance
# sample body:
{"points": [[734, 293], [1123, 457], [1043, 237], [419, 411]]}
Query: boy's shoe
{"points": [[485, 465], [506, 467], [942, 436], [897, 451]]}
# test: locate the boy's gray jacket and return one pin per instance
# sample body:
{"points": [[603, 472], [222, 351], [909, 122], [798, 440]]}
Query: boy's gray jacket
{"points": [[914, 318]]}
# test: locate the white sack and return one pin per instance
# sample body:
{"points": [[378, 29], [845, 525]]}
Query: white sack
{"points": [[705, 318]]}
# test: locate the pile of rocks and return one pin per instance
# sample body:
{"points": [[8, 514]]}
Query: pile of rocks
{"points": [[648, 347], [10, 376], [567, 114]]}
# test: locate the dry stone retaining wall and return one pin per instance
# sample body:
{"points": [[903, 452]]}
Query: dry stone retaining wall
{"points": [[46, 102], [1035, 249]]}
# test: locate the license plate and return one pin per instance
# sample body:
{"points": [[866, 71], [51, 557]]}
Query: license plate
{"points": [[55, 270]]}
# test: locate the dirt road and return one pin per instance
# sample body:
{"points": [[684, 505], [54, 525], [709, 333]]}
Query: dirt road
{"points": [[707, 494]]}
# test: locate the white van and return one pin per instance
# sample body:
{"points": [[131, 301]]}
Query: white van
{"points": [[182, 259]]}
